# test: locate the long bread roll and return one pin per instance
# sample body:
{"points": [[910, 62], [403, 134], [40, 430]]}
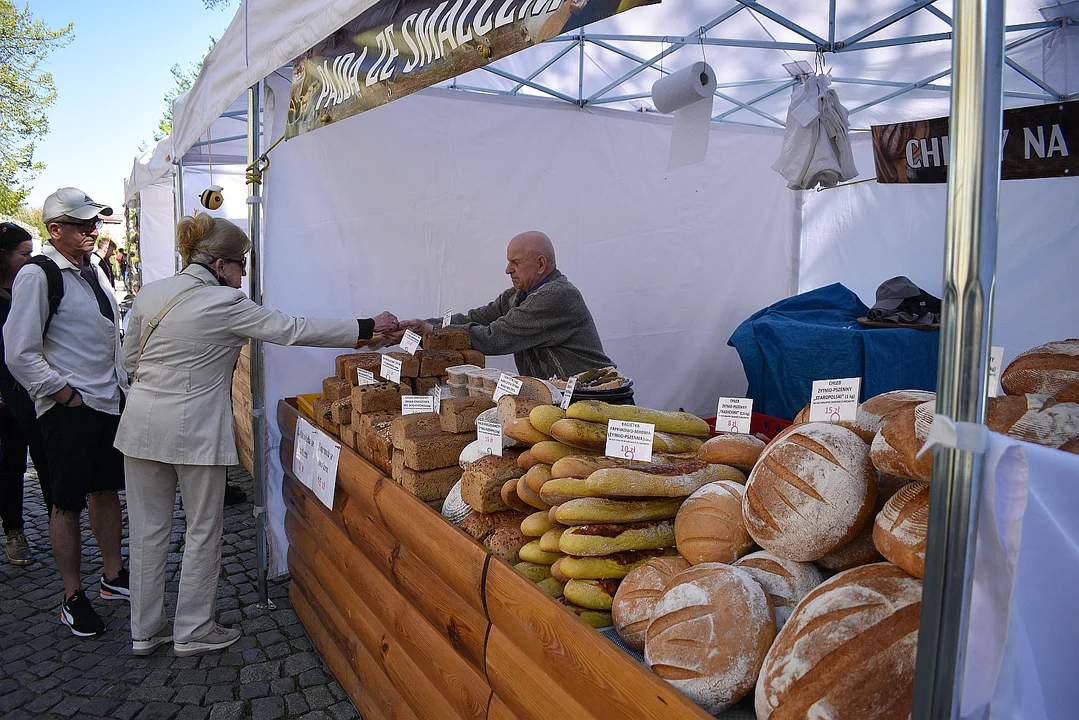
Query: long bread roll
{"points": [[525, 460], [593, 436], [521, 430], [669, 421], [532, 571], [512, 500], [595, 540], [641, 481], [536, 524], [595, 618], [536, 476], [551, 451], [556, 570], [552, 587], [614, 566], [585, 511], [582, 467], [529, 497], [532, 553], [549, 541], [543, 417], [591, 594]]}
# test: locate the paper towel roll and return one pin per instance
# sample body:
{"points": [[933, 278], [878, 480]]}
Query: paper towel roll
{"points": [[689, 85]]}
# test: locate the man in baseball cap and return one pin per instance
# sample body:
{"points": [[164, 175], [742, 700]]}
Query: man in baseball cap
{"points": [[70, 363]]}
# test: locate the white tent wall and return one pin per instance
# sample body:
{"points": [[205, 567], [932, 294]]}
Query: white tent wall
{"points": [[409, 208], [230, 179], [156, 231], [861, 235]]}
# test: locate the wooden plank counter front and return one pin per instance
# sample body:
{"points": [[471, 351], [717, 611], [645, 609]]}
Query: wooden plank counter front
{"points": [[417, 620]]}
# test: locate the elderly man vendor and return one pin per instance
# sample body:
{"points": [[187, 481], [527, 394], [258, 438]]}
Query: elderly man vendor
{"points": [[542, 319]]}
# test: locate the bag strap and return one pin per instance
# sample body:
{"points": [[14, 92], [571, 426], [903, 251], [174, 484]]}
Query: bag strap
{"points": [[152, 325], [55, 286]]}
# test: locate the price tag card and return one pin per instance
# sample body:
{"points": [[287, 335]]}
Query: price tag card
{"points": [[303, 456], [410, 343], [447, 317], [507, 385], [391, 369], [734, 414], [996, 359], [325, 480], [835, 400], [436, 397], [365, 377], [412, 404], [490, 436], [631, 440], [567, 394]]}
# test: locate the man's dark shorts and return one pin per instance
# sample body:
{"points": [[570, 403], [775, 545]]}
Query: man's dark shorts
{"points": [[82, 459]]}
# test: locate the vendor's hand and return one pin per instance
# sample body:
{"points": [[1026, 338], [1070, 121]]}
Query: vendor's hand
{"points": [[393, 338], [386, 323], [417, 325]]}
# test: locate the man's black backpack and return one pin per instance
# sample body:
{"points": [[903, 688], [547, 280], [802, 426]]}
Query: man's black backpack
{"points": [[17, 400]]}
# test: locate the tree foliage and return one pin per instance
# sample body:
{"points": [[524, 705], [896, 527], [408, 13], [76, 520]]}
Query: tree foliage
{"points": [[25, 93], [183, 80], [216, 4]]}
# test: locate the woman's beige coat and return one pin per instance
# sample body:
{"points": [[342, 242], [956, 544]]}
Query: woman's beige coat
{"points": [[180, 407]]}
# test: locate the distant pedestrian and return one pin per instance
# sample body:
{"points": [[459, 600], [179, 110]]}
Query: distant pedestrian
{"points": [[105, 250], [121, 263]]}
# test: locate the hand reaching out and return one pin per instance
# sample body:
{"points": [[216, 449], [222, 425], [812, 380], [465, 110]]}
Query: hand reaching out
{"points": [[417, 326], [386, 323]]}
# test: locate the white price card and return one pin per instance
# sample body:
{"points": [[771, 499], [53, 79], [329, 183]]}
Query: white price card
{"points": [[327, 454], [391, 369], [412, 404], [567, 394], [410, 343], [996, 359], [303, 456], [447, 318], [436, 397], [489, 435], [631, 440], [835, 400], [734, 415], [365, 377], [507, 385]]}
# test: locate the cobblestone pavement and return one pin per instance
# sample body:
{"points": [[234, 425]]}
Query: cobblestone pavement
{"points": [[46, 672]]}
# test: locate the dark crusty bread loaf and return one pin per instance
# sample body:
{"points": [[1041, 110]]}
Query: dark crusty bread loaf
{"points": [[899, 531], [1037, 419], [709, 525], [709, 634], [812, 491], [637, 597], [1051, 369], [785, 581], [849, 646]]}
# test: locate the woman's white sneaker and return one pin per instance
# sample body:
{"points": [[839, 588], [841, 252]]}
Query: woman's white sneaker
{"points": [[217, 639]]}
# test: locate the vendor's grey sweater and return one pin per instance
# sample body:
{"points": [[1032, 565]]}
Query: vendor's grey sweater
{"points": [[550, 332]]}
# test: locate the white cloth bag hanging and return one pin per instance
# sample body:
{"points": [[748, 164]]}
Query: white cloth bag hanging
{"points": [[816, 145]]}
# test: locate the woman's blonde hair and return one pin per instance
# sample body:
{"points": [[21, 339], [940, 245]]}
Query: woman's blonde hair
{"points": [[204, 238]]}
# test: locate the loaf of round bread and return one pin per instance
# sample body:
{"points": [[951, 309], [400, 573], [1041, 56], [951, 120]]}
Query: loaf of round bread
{"points": [[735, 449], [849, 647], [454, 508], [900, 529], [897, 443], [1051, 369], [811, 492], [709, 634], [1037, 419], [637, 597], [861, 550], [709, 525], [872, 413], [785, 581]]}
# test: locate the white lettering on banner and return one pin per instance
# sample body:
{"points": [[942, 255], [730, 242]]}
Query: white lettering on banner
{"points": [[303, 457], [329, 452], [996, 358], [507, 385], [734, 414], [391, 369], [391, 49], [567, 394], [484, 22], [365, 377], [412, 404], [835, 400], [410, 343], [489, 435], [463, 35], [413, 48], [445, 29], [1037, 142], [632, 440], [340, 79], [505, 14]]}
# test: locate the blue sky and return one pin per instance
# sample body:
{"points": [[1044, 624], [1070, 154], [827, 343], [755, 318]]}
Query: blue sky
{"points": [[110, 82]]}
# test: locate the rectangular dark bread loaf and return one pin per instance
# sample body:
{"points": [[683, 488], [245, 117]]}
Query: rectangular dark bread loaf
{"points": [[434, 362], [335, 388], [407, 427], [428, 485], [438, 450], [381, 397], [410, 364], [346, 365], [458, 415], [446, 339]]}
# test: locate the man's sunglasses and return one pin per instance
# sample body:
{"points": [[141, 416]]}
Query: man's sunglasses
{"points": [[86, 227]]}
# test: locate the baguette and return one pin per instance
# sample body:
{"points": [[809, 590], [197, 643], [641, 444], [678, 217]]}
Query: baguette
{"points": [[592, 594], [532, 571], [595, 618], [521, 430], [595, 540], [549, 541], [666, 421], [552, 587], [593, 436], [585, 511], [614, 566], [640, 481], [536, 524], [556, 570], [526, 460], [532, 553], [536, 476], [582, 467], [530, 498], [551, 451], [510, 497], [543, 417]]}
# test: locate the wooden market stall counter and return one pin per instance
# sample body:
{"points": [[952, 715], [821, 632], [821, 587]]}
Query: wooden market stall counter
{"points": [[417, 620]]}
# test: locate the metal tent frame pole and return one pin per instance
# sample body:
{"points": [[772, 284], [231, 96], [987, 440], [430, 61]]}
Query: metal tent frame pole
{"points": [[970, 252], [258, 401], [178, 211]]}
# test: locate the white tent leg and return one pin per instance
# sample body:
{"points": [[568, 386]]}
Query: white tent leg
{"points": [[178, 196], [969, 274]]}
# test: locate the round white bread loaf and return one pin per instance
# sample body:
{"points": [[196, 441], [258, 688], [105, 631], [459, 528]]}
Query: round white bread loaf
{"points": [[709, 525], [811, 492], [709, 634], [861, 550], [899, 531], [1037, 419], [897, 443], [847, 651], [1051, 369], [785, 581], [735, 449], [637, 597], [871, 414]]}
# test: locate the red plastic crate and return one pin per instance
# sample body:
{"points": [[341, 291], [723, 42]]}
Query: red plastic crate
{"points": [[759, 423]]}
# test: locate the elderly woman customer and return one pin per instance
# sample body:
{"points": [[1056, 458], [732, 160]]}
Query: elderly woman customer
{"points": [[184, 336]]}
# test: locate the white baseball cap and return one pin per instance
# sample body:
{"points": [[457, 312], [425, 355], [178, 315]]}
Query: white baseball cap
{"points": [[73, 203]]}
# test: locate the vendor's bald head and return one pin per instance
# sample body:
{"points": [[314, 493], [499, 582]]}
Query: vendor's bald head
{"points": [[530, 258]]}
